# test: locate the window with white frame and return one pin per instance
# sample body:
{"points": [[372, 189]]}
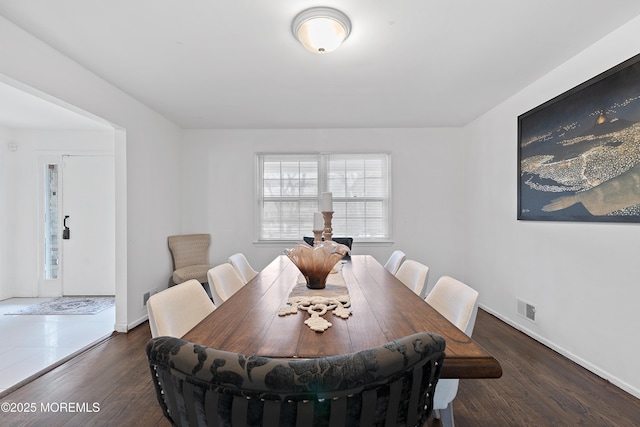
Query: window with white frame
{"points": [[289, 187]]}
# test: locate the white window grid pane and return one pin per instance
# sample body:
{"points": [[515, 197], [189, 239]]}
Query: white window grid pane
{"points": [[289, 178], [289, 195], [359, 184], [364, 219], [291, 186]]}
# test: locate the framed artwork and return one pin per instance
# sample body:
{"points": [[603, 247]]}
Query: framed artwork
{"points": [[579, 153]]}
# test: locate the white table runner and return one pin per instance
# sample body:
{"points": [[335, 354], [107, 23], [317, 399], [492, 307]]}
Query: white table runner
{"points": [[317, 302]]}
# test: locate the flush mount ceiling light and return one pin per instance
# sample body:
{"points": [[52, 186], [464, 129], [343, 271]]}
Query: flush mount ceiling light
{"points": [[321, 29]]}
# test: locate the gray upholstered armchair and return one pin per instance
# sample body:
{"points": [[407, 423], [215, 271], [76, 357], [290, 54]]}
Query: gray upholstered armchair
{"points": [[388, 385], [190, 253]]}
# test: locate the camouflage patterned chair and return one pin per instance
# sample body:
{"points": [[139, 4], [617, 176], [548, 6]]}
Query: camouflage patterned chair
{"points": [[390, 385]]}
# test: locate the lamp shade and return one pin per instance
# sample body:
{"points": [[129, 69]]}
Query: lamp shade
{"points": [[321, 29]]}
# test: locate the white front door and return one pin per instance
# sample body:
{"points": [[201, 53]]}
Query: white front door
{"points": [[88, 209]]}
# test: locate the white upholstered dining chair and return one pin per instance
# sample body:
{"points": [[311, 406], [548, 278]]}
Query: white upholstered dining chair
{"points": [[459, 304], [242, 267], [396, 258], [224, 281], [174, 311], [413, 274]]}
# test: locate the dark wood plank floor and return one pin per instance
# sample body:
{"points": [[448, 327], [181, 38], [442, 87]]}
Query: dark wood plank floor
{"points": [[538, 388]]}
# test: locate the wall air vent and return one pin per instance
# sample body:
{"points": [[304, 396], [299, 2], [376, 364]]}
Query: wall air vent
{"points": [[527, 310]]}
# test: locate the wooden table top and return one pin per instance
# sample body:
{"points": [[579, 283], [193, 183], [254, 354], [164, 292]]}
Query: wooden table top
{"points": [[383, 310]]}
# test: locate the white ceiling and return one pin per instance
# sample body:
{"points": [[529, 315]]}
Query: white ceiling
{"points": [[20, 109], [235, 63]]}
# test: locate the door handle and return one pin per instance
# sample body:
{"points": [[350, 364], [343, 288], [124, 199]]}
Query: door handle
{"points": [[66, 232]]}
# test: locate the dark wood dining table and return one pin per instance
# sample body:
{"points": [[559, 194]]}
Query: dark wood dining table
{"points": [[383, 309]]}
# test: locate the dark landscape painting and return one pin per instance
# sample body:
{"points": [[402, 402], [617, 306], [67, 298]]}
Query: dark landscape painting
{"points": [[579, 154]]}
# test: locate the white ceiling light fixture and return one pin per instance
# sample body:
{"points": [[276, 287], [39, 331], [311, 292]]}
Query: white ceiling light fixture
{"points": [[321, 29]]}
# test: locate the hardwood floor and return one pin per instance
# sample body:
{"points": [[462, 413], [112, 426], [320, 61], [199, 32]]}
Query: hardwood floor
{"points": [[110, 384], [539, 387]]}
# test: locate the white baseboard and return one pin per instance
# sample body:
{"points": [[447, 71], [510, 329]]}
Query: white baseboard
{"points": [[133, 324], [588, 366]]}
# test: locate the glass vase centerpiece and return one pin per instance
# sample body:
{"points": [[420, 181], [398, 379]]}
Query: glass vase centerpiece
{"points": [[316, 262]]}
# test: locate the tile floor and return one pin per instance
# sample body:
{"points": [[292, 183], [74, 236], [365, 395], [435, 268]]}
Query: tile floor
{"points": [[31, 343]]}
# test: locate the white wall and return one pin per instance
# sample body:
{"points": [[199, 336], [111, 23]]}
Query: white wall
{"points": [[582, 277], [4, 223], [147, 151], [428, 215]]}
